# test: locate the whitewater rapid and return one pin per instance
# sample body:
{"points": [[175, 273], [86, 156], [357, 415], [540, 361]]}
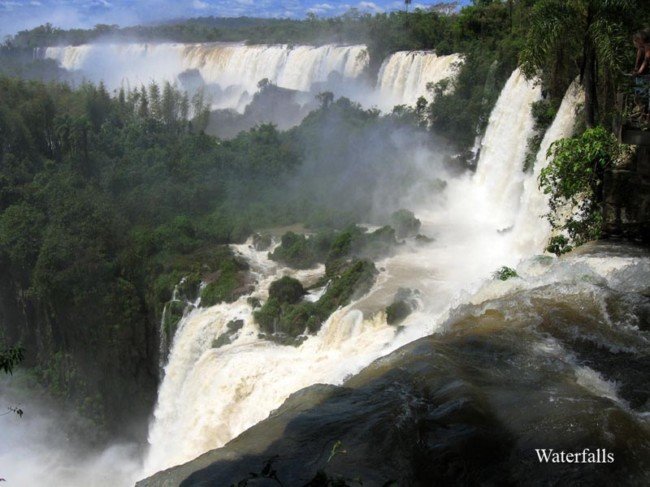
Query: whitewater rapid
{"points": [[210, 395]]}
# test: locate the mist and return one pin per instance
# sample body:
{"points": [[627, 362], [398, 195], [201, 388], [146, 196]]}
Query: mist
{"points": [[41, 447]]}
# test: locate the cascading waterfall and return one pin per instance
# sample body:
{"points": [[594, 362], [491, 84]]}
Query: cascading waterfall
{"points": [[499, 173], [531, 229], [210, 395], [295, 68], [404, 76], [237, 69]]}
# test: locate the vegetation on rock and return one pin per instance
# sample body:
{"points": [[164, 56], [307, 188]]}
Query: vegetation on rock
{"points": [[573, 180], [404, 223], [284, 318], [505, 273]]}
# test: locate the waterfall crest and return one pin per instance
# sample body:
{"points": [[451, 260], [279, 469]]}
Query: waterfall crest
{"points": [[237, 68], [404, 76], [531, 229], [503, 150]]}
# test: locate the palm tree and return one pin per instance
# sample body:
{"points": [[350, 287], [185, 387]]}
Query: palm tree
{"points": [[407, 3], [579, 37]]}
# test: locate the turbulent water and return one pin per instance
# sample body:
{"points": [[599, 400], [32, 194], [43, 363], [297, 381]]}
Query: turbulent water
{"points": [[236, 69], [555, 358], [210, 395]]}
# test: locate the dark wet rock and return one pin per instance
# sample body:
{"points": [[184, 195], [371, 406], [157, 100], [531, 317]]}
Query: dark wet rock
{"points": [[262, 242], [404, 303], [423, 239], [404, 223], [228, 336]]}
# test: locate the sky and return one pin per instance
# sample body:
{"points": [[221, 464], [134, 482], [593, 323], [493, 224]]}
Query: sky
{"points": [[17, 15]]}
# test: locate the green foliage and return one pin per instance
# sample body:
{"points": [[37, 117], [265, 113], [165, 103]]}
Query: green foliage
{"points": [[505, 273], [559, 245], [298, 251], [106, 203], [172, 315], [543, 112], [284, 315], [335, 248], [11, 357], [585, 38], [573, 180], [286, 290], [232, 327], [228, 279]]}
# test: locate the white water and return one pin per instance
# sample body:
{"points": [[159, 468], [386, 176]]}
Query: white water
{"points": [[236, 69], [531, 228], [404, 76], [211, 395]]}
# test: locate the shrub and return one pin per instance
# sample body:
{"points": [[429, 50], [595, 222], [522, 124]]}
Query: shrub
{"points": [[505, 273], [287, 290], [573, 179]]}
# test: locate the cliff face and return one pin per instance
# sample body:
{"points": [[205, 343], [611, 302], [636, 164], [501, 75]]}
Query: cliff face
{"points": [[105, 374], [626, 206]]}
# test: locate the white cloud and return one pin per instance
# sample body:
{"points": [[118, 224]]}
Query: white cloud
{"points": [[370, 6], [199, 5], [8, 5], [321, 8]]}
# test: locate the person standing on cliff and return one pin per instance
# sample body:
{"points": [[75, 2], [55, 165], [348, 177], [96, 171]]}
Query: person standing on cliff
{"points": [[641, 41], [641, 73]]}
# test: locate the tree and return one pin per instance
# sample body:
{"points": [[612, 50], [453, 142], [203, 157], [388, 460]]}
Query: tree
{"points": [[587, 36], [325, 98], [11, 357], [573, 180]]}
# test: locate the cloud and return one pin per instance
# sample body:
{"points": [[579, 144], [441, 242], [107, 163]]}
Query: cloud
{"points": [[321, 8], [199, 5], [23, 14], [370, 6]]}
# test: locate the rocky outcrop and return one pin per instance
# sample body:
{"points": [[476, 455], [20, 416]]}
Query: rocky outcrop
{"points": [[626, 195]]}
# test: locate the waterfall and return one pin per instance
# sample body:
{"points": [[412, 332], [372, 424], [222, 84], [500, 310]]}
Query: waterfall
{"points": [[403, 76], [211, 394], [531, 229], [295, 68], [499, 173], [235, 69]]}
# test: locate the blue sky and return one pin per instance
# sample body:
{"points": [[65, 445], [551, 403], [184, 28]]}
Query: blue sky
{"points": [[16, 15]]}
